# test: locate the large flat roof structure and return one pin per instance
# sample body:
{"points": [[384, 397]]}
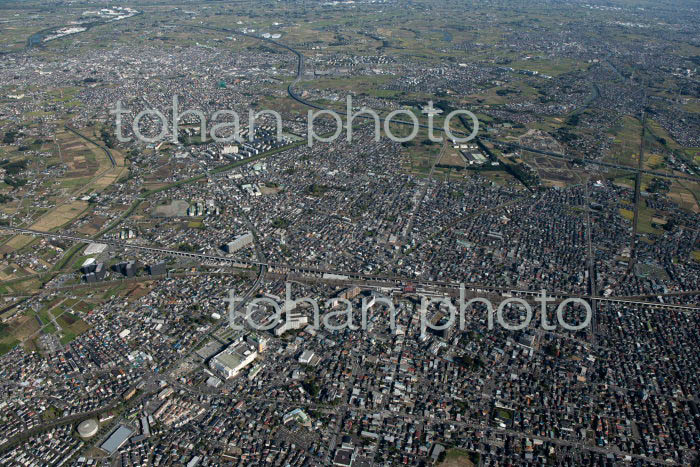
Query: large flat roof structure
{"points": [[117, 439], [95, 249]]}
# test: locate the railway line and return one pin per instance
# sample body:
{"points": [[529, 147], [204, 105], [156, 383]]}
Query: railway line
{"points": [[344, 277]]}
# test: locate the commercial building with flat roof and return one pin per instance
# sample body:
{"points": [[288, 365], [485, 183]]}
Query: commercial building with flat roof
{"points": [[290, 322], [297, 415], [232, 360]]}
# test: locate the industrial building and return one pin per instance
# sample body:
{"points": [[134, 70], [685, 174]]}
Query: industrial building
{"points": [[473, 157], [95, 249], [145, 426]]}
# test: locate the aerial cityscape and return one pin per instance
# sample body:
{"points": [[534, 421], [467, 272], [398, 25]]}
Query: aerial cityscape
{"points": [[349, 232]]}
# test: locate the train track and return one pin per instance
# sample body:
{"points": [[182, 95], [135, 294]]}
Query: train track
{"points": [[338, 276]]}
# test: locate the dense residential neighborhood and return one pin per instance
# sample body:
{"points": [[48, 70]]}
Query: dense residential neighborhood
{"points": [[224, 240]]}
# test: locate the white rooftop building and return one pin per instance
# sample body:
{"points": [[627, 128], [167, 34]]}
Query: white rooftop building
{"points": [[232, 360], [306, 357]]}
